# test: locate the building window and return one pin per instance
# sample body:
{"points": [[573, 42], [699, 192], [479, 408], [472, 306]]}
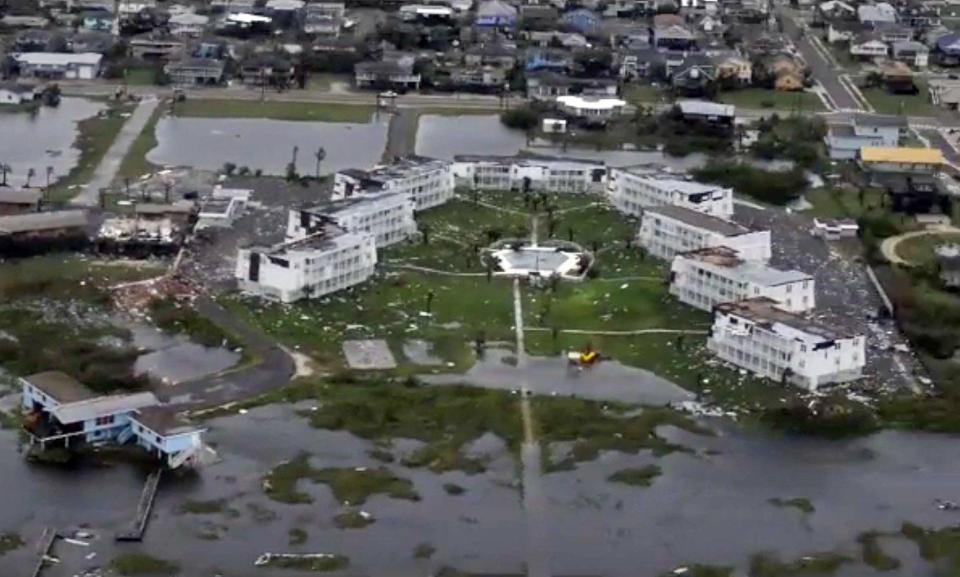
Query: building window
{"points": [[105, 420]]}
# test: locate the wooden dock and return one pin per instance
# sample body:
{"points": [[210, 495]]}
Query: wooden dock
{"points": [[46, 545], [144, 507]]}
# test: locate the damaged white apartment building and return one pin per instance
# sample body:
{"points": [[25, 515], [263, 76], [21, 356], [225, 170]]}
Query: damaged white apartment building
{"points": [[328, 260], [533, 173], [756, 335], [388, 216], [635, 188], [428, 182], [666, 231], [708, 277]]}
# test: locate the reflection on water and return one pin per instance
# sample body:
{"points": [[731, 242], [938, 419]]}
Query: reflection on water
{"points": [[258, 143], [449, 136], [608, 380], [174, 358], [43, 139]]}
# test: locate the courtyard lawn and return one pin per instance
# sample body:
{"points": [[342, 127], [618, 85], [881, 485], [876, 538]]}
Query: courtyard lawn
{"points": [[517, 201], [597, 225], [615, 263], [604, 306], [95, 135], [469, 224], [836, 203], [919, 250], [273, 109], [760, 98], [902, 104], [394, 307]]}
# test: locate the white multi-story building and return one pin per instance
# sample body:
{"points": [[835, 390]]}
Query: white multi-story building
{"points": [[427, 181], [708, 277], [755, 335], [668, 230], [633, 189], [535, 173], [325, 262], [387, 216]]}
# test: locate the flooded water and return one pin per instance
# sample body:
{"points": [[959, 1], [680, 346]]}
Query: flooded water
{"points": [[175, 358], [449, 136], [209, 143], [42, 139], [608, 380], [708, 506]]}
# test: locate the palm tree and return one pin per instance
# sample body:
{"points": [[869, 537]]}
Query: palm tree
{"points": [[49, 174], [296, 150], [4, 171], [30, 174], [320, 154]]}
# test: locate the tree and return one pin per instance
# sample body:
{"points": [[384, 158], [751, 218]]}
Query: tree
{"points": [[430, 297], [49, 174], [425, 233], [291, 174], [296, 150], [30, 174], [5, 169], [228, 168], [320, 154], [570, 233]]}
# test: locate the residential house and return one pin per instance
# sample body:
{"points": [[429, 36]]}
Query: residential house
{"points": [[188, 24], [530, 173], [491, 54], [674, 37], [834, 229], [706, 112], [60, 411], [846, 137], [388, 216], [327, 261], [734, 68], [427, 181], [666, 231], [35, 232], [695, 76], [395, 74], [879, 13], [945, 92], [323, 18], [99, 42], [901, 159], [897, 78], [912, 53], [51, 65], [634, 189], [495, 14], [548, 59], [868, 45], [96, 20], [834, 10], [912, 192], [427, 14], [195, 71], [894, 32], [155, 47], [15, 93], [759, 336], [787, 71], [948, 49], [568, 40], [711, 276], [19, 200], [266, 69], [581, 20], [920, 15], [549, 86], [843, 31], [591, 110]]}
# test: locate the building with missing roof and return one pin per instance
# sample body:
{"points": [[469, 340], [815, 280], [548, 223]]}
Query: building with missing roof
{"points": [[387, 216], [708, 277], [428, 182], [756, 335], [530, 173], [666, 231], [633, 189]]}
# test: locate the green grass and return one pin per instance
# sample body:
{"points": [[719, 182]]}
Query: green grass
{"points": [[140, 76], [872, 553], [59, 276], [761, 98], [815, 565], [644, 94], [594, 427], [273, 109], [203, 507], [352, 486], [910, 104], [938, 546], [390, 307], [353, 520], [95, 135], [10, 542], [799, 503], [135, 163], [830, 202], [142, 564], [320, 563], [636, 477], [920, 250], [174, 317], [597, 225]]}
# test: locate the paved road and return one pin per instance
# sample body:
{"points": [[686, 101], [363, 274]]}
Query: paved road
{"points": [[106, 171], [274, 369], [822, 70]]}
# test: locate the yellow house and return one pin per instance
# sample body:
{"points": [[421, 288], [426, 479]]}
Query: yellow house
{"points": [[901, 159]]}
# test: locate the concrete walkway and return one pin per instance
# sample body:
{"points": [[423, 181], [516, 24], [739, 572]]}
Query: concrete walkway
{"points": [[429, 270], [621, 333], [107, 170], [889, 245]]}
